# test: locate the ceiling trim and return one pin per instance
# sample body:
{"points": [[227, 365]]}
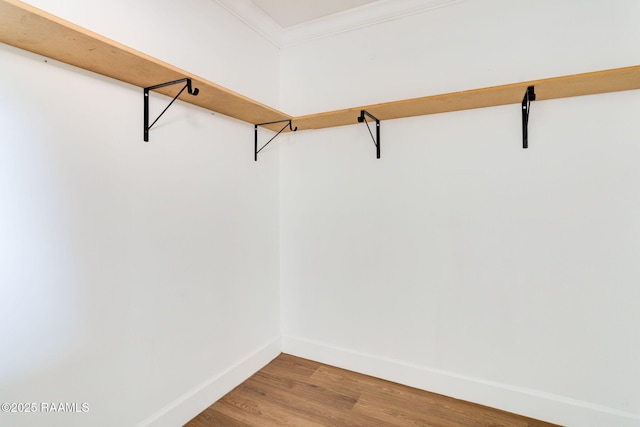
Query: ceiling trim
{"points": [[254, 17], [349, 20], [358, 17]]}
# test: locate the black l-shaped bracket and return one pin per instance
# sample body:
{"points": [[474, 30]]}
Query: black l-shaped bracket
{"points": [[529, 95], [187, 86], [376, 139], [287, 123]]}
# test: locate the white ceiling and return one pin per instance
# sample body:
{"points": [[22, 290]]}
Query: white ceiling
{"points": [[286, 23], [288, 13]]}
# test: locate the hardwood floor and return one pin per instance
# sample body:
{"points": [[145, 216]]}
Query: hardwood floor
{"points": [[291, 391]]}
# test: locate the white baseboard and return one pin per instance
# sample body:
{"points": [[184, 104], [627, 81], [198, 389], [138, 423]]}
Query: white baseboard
{"points": [[527, 402], [183, 409]]}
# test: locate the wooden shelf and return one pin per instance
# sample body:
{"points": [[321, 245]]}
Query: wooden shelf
{"points": [[614, 80], [32, 29]]}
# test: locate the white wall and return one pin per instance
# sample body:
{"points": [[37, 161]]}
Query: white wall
{"points": [[468, 45], [140, 278], [459, 262]]}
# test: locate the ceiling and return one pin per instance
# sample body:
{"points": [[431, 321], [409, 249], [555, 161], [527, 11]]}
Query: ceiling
{"points": [[288, 13]]}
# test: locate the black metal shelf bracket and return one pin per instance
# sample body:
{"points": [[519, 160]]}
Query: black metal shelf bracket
{"points": [[190, 90], [287, 123], [529, 95], [376, 139]]}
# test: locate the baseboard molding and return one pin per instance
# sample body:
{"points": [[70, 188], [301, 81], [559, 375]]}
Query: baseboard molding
{"points": [[183, 409], [527, 402]]}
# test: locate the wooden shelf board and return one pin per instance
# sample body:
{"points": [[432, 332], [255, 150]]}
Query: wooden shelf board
{"points": [[613, 80], [34, 30]]}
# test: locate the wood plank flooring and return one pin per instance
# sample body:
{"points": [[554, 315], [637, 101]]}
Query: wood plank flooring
{"points": [[291, 391]]}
